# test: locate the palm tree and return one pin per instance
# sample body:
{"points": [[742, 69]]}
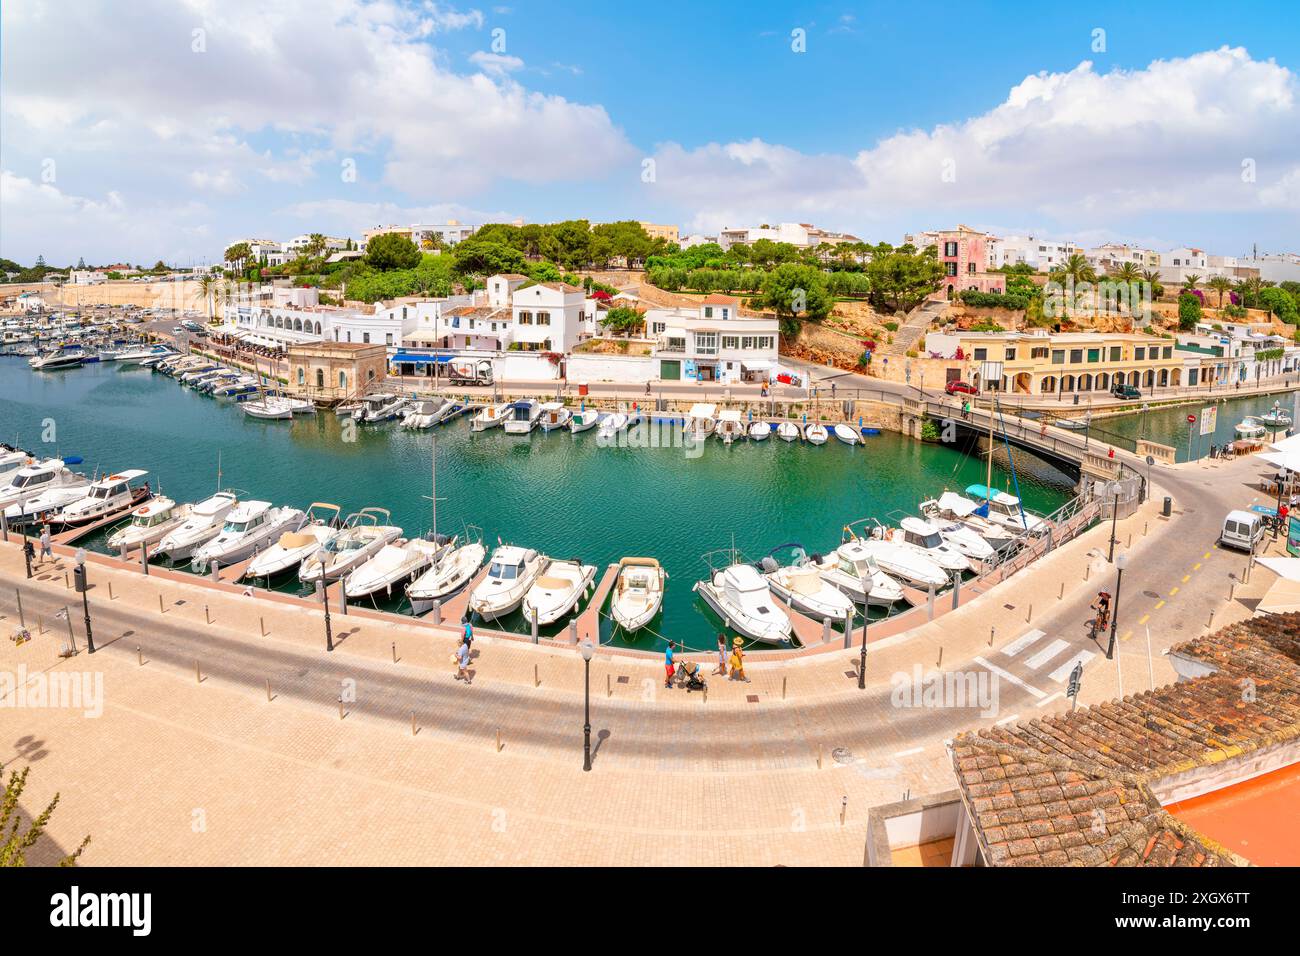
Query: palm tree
{"points": [[1220, 284], [1191, 282], [205, 283], [1127, 273]]}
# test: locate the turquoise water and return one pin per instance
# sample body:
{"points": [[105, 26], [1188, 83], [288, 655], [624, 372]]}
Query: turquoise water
{"points": [[1169, 425], [559, 493]]}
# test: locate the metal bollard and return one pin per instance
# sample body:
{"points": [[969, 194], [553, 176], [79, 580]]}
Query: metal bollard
{"points": [[537, 680], [783, 688], [533, 625], [991, 631], [268, 690], [261, 625], [1061, 596], [139, 656], [609, 686], [394, 652], [1029, 614], [498, 740], [436, 612], [844, 808], [110, 591], [216, 570], [1210, 623], [198, 674], [160, 605], [207, 618], [340, 708], [413, 731]]}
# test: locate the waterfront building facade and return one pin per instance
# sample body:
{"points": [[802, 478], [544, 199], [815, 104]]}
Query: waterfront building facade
{"points": [[714, 342], [334, 371]]}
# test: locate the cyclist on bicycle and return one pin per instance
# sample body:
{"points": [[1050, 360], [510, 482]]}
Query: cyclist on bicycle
{"points": [[1102, 607]]}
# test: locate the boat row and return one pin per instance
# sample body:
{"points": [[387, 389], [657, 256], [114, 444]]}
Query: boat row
{"points": [[209, 377]]}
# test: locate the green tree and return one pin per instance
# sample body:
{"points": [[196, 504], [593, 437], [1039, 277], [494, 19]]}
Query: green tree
{"points": [[623, 319], [795, 292], [901, 278], [1220, 284], [14, 844], [391, 250], [1280, 303], [1189, 312], [238, 255], [1127, 273], [1191, 282], [1075, 268], [477, 256]]}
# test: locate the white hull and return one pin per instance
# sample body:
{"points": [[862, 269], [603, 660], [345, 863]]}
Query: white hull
{"points": [[556, 593], [495, 598], [847, 435], [903, 562], [826, 602], [391, 565], [638, 594], [815, 434], [228, 550], [787, 431], [446, 578], [772, 628], [277, 559], [342, 561], [489, 417]]}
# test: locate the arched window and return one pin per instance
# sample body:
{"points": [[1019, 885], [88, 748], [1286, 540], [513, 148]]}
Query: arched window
{"points": [[1164, 377], [1085, 382], [320, 378], [1148, 378], [1103, 381], [302, 375], [1067, 383], [1133, 379], [318, 328], [1049, 384], [343, 381]]}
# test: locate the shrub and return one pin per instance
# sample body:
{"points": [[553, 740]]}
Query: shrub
{"points": [[891, 326], [1189, 312], [994, 300]]}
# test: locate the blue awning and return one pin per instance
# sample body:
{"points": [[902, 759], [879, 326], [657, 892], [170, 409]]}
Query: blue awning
{"points": [[418, 358]]}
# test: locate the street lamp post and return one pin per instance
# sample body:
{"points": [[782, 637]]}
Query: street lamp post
{"points": [[1114, 518], [321, 557], [1120, 564], [866, 614], [80, 574], [587, 651]]}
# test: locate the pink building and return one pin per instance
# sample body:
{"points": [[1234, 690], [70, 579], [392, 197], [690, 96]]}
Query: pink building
{"points": [[963, 253]]}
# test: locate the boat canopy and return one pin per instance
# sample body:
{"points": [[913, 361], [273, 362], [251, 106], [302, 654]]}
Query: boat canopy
{"points": [[728, 415], [960, 506], [702, 410], [293, 540], [992, 494]]}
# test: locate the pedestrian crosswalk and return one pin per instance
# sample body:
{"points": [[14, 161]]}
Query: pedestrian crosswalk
{"points": [[1046, 654], [1062, 673], [1021, 642], [1034, 655]]}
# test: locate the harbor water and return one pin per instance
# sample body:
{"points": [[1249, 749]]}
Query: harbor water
{"points": [[562, 494]]}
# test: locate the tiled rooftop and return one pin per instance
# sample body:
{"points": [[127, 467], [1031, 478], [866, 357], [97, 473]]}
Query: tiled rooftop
{"points": [[1074, 789]]}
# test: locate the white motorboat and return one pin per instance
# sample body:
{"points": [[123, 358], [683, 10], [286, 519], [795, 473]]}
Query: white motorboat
{"points": [[804, 589], [758, 431], [848, 567], [743, 598], [955, 535], [137, 355], [1250, 428], [955, 508], [729, 426], [556, 592], [148, 524], [113, 494], [489, 416], [1275, 418], [425, 414], [584, 419], [401, 561], [364, 534], [815, 433], [511, 573], [249, 528], [788, 431], [1006, 510], [523, 417], [449, 575], [57, 361], [268, 408], [847, 434], [298, 406], [638, 593], [11, 460], [554, 415], [31, 481], [380, 407], [611, 425], [203, 524], [700, 421], [905, 562], [295, 547], [920, 534]]}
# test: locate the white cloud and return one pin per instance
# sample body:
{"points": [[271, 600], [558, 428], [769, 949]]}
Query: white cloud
{"points": [[1080, 147], [495, 64]]}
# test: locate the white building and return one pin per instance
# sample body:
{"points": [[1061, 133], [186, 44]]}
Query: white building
{"points": [[715, 342], [1112, 255], [801, 234], [1043, 255], [448, 233], [298, 244], [550, 316], [86, 277]]}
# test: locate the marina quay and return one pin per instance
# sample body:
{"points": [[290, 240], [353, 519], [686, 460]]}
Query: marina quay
{"points": [[510, 462]]}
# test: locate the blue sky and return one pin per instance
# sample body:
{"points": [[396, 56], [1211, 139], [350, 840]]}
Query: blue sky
{"points": [[168, 129]]}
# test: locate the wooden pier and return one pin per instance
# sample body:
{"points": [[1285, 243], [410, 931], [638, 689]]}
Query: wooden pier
{"points": [[589, 619]]}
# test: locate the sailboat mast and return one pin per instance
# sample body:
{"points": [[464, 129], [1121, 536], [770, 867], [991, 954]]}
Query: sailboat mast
{"points": [[988, 474], [433, 463]]}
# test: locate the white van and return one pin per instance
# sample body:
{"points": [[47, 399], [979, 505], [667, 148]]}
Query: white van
{"points": [[1242, 530]]}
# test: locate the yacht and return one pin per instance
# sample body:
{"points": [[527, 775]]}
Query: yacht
{"points": [[951, 507], [12, 460], [700, 421], [815, 433], [401, 561], [511, 573], [758, 431], [380, 407], [57, 360], [203, 524], [29, 478], [489, 416], [523, 417], [638, 593], [110, 495], [848, 567], [960, 538], [364, 533], [294, 547], [729, 426], [136, 355], [148, 524], [40, 489], [803, 588], [557, 592], [922, 536], [788, 431], [584, 419], [249, 526], [905, 562], [453, 572], [847, 434], [743, 599], [426, 414], [555, 415], [1006, 510]]}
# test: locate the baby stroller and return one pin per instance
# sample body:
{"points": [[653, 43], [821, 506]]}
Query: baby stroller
{"points": [[689, 675]]}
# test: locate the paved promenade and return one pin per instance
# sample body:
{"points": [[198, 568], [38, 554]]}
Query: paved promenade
{"points": [[206, 770]]}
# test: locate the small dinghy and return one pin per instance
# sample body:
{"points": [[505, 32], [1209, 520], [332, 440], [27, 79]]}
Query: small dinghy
{"points": [[583, 420], [557, 591], [847, 434], [638, 593], [758, 431], [788, 431], [815, 433], [611, 425]]}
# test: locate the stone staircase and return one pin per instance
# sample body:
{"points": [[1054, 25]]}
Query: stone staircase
{"points": [[912, 330]]}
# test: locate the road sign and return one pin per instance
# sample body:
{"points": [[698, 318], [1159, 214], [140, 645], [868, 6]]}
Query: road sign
{"points": [[1191, 419], [1150, 460]]}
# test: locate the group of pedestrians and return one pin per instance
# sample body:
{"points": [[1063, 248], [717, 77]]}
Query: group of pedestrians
{"points": [[731, 666]]}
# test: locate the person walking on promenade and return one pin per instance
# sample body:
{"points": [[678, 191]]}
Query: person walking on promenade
{"points": [[669, 667], [468, 636], [462, 661], [722, 656], [738, 661], [46, 550], [647, 388], [29, 552]]}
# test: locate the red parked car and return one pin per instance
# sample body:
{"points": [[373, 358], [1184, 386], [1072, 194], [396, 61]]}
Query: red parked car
{"points": [[963, 388]]}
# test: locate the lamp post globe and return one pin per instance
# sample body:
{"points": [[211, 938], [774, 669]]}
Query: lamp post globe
{"points": [[587, 651]]}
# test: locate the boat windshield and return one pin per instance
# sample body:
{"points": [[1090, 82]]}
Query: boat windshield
{"points": [[236, 527], [931, 540], [27, 481], [504, 572]]}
